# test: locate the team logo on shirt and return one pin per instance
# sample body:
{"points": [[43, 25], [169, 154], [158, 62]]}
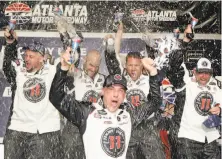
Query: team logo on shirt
{"points": [[135, 96], [91, 96], [203, 103], [34, 90], [113, 142], [100, 80]]}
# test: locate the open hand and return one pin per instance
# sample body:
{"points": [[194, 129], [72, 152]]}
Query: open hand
{"points": [[215, 110]]}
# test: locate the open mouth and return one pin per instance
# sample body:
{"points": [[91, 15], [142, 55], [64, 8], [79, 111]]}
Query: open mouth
{"points": [[27, 64], [114, 102], [133, 74]]}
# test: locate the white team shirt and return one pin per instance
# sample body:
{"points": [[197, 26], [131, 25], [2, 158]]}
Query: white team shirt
{"points": [[88, 89], [112, 133], [32, 110], [199, 99], [138, 90]]}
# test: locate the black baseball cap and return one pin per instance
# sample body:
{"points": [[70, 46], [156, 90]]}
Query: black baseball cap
{"points": [[36, 47], [115, 79]]}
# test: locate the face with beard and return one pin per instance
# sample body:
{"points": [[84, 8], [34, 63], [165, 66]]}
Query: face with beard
{"points": [[202, 77], [92, 63], [134, 67], [33, 61]]}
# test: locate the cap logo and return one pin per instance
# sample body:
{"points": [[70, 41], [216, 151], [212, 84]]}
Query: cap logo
{"points": [[204, 63], [118, 77]]}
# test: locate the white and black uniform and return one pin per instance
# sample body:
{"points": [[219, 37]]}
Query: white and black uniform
{"points": [[34, 88], [138, 90], [141, 145], [197, 104], [32, 118], [105, 135], [87, 90], [188, 136], [32, 111], [113, 130]]}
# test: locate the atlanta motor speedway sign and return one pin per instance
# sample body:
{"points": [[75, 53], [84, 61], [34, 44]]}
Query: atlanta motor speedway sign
{"points": [[98, 16], [75, 13]]}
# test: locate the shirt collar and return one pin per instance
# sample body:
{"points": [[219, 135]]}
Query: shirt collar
{"points": [[84, 75], [130, 79]]}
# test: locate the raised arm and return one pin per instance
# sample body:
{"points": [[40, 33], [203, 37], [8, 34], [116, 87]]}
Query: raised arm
{"points": [[112, 50], [118, 38], [175, 71], [62, 95], [153, 98], [150, 45], [10, 56]]}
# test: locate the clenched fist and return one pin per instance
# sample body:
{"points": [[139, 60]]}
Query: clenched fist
{"points": [[10, 35], [149, 65], [65, 59]]}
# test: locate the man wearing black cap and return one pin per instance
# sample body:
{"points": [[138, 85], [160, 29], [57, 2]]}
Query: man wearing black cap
{"points": [[34, 124], [141, 145], [105, 129], [197, 102]]}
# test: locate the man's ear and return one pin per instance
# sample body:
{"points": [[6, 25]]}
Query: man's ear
{"points": [[41, 59], [102, 92], [84, 59], [194, 71]]}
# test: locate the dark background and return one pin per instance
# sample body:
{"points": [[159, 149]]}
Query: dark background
{"points": [[101, 13]]}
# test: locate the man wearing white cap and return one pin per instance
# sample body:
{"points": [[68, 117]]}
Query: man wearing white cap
{"points": [[193, 136]]}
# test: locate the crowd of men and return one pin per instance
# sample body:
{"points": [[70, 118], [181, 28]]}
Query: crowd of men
{"points": [[109, 117]]}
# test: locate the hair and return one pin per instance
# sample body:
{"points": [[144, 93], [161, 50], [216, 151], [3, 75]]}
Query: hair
{"points": [[136, 55]]}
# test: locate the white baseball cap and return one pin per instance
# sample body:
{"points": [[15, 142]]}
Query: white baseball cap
{"points": [[204, 65]]}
